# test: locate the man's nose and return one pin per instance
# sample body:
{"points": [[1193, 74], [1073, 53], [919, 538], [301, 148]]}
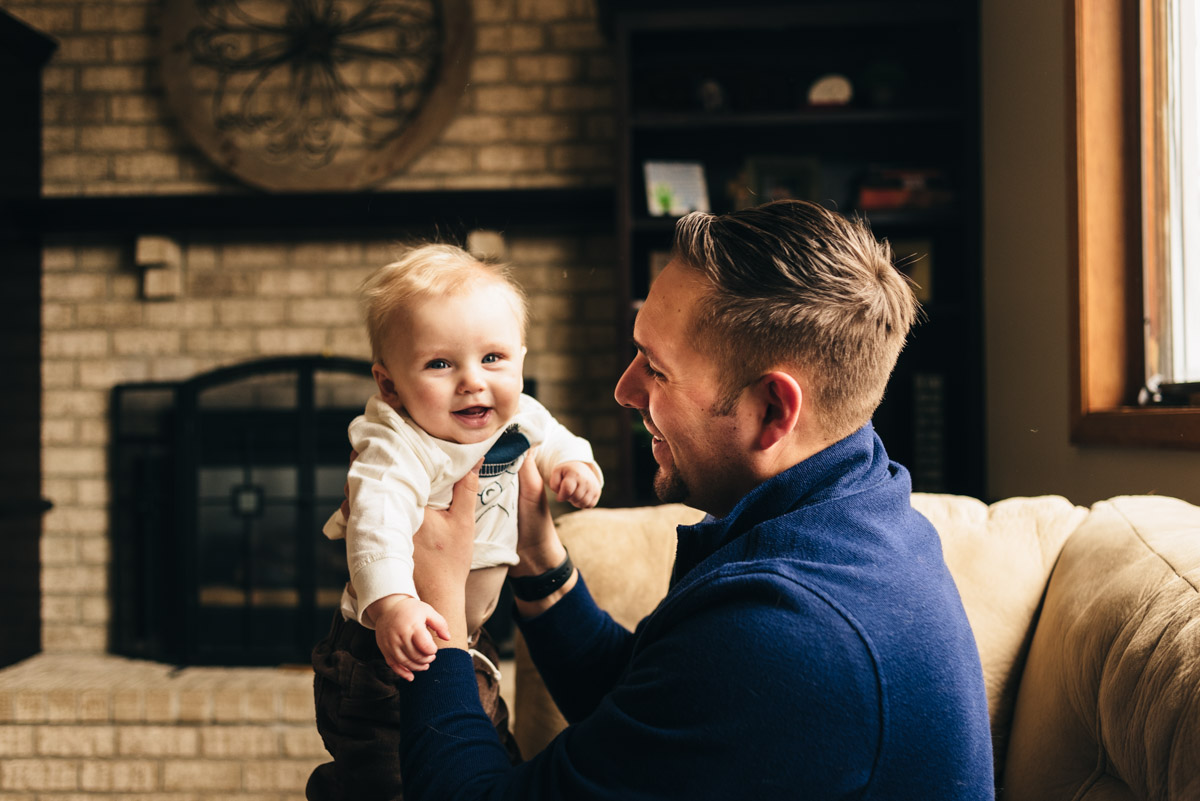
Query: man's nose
{"points": [[629, 391]]}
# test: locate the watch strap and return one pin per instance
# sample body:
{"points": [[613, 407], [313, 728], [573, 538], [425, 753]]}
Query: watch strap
{"points": [[535, 588]]}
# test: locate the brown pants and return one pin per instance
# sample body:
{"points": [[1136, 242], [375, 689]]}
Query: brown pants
{"points": [[358, 715]]}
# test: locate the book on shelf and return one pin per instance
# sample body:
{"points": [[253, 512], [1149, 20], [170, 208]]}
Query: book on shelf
{"points": [[888, 188], [770, 178], [674, 188], [928, 464]]}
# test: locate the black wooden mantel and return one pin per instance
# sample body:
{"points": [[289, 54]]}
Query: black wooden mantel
{"points": [[24, 52], [442, 213]]}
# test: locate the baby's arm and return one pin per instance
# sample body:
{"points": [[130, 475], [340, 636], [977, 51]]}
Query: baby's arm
{"points": [[576, 483], [386, 494], [565, 461], [402, 626]]}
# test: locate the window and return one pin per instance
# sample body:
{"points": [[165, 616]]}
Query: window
{"points": [[1171, 191], [1113, 149]]}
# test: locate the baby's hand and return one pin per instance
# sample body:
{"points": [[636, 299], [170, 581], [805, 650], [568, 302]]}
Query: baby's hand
{"points": [[576, 483], [402, 625]]}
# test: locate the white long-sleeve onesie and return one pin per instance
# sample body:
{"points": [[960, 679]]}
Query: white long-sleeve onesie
{"points": [[401, 470]]}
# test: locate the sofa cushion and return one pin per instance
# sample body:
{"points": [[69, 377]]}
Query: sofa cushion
{"points": [[1109, 702], [626, 557], [1001, 557]]}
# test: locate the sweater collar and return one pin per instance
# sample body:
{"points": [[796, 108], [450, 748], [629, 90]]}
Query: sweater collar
{"points": [[846, 466]]}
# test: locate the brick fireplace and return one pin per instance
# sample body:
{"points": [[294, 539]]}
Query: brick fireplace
{"points": [[76, 720]]}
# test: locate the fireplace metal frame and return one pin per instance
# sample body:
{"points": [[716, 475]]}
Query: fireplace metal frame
{"points": [[162, 437]]}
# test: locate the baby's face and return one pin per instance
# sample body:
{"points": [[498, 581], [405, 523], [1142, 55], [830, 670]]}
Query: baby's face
{"points": [[454, 364]]}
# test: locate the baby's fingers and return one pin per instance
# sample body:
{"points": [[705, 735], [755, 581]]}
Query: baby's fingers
{"points": [[400, 670], [423, 645], [567, 488], [587, 498], [438, 625]]}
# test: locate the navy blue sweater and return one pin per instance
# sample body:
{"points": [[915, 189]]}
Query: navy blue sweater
{"points": [[812, 645]]}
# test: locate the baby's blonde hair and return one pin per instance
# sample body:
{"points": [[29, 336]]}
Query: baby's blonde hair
{"points": [[428, 271]]}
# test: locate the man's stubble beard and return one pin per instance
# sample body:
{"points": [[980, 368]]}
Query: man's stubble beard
{"points": [[669, 486]]}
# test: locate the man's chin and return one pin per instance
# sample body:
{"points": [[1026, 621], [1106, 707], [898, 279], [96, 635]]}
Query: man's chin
{"points": [[669, 486]]}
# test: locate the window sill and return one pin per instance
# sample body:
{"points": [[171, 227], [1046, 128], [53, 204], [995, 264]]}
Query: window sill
{"points": [[1135, 426]]}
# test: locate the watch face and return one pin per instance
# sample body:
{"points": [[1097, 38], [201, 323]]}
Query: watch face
{"points": [[314, 94]]}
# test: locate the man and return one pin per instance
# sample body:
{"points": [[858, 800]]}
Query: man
{"points": [[812, 644]]}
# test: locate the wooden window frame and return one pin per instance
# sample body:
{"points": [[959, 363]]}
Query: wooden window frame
{"points": [[1107, 149]]}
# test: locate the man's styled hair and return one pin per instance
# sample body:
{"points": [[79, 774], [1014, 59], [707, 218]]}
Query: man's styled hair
{"points": [[428, 271], [796, 285]]}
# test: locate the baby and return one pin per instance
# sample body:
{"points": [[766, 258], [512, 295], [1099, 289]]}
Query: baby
{"points": [[447, 335]]}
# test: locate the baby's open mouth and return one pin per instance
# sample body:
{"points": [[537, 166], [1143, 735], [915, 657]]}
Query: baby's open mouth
{"points": [[473, 412]]}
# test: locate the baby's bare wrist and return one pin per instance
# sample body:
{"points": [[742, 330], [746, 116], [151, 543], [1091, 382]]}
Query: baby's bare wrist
{"points": [[381, 605]]}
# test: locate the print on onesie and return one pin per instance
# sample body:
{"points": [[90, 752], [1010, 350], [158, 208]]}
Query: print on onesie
{"points": [[498, 495]]}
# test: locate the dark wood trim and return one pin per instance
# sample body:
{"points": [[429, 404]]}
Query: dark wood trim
{"points": [[691, 120], [1137, 427], [440, 212], [24, 46], [23, 52], [27, 508], [675, 14]]}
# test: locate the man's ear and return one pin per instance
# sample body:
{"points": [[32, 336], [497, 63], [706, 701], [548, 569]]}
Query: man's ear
{"points": [[781, 399], [387, 388]]}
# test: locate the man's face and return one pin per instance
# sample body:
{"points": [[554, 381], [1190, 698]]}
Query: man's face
{"points": [[454, 363], [676, 387]]}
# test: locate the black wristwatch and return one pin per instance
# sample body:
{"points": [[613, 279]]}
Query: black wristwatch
{"points": [[535, 588]]}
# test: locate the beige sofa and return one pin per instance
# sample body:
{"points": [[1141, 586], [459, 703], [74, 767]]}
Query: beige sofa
{"points": [[1088, 624]]}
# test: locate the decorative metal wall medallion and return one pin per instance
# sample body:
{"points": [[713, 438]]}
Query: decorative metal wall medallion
{"points": [[315, 94]]}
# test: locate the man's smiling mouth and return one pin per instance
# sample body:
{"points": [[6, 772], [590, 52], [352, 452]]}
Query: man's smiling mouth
{"points": [[650, 428]]}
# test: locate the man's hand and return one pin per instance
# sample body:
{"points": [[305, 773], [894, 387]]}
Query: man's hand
{"points": [[442, 550], [538, 545], [576, 483], [402, 626]]}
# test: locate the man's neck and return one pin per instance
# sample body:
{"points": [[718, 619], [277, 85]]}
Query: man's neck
{"points": [[787, 454]]}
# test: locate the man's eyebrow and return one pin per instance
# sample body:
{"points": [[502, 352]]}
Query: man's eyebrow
{"points": [[645, 351]]}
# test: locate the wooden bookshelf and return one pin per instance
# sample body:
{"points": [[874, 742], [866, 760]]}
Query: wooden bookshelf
{"points": [[725, 85]]}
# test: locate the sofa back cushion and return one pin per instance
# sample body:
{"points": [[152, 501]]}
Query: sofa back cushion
{"points": [[1001, 557], [1109, 702], [625, 556]]}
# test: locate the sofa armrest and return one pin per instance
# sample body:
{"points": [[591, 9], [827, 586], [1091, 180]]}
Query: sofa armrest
{"points": [[626, 557], [1109, 702]]}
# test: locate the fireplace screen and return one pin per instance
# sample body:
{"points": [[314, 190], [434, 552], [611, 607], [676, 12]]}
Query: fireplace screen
{"points": [[221, 485]]}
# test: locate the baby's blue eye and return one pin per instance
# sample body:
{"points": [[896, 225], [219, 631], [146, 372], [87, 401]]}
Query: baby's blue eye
{"points": [[438, 364], [491, 358]]}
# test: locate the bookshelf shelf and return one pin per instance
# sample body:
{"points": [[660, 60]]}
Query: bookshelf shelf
{"points": [[672, 120]]}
